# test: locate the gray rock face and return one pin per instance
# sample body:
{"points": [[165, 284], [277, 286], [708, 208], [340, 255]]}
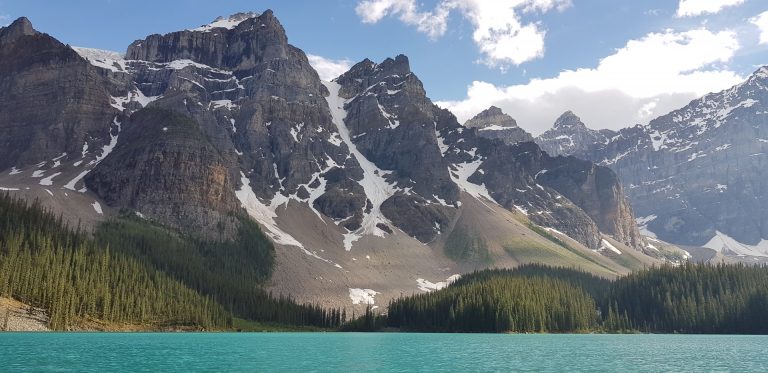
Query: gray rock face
{"points": [[391, 122], [570, 136], [259, 103], [565, 194], [494, 124], [698, 170], [52, 101], [165, 166]]}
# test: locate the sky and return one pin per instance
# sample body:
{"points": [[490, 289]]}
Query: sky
{"points": [[615, 63]]}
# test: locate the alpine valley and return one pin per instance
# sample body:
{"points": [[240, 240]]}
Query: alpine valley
{"points": [[365, 190]]}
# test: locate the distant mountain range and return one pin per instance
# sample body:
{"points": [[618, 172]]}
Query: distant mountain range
{"points": [[695, 176]]}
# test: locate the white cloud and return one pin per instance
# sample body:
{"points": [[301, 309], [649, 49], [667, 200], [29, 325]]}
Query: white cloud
{"points": [[499, 33], [761, 21], [328, 69], [432, 23], [693, 8], [4, 18], [646, 78]]}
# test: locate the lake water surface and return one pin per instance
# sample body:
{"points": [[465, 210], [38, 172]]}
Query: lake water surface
{"points": [[380, 352]]}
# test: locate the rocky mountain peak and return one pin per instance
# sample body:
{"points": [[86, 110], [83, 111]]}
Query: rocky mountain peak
{"points": [[20, 27], [569, 135], [568, 119], [493, 116], [399, 65], [240, 42], [761, 73], [229, 22]]}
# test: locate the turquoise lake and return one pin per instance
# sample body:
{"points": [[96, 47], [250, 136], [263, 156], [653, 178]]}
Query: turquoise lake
{"points": [[380, 352]]}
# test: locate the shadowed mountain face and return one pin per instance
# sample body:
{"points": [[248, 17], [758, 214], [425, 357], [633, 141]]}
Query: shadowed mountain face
{"points": [[695, 175], [196, 128], [52, 101]]}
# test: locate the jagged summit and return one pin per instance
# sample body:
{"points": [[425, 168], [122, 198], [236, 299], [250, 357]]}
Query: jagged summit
{"points": [[569, 135], [493, 116], [399, 66], [568, 119], [492, 123], [229, 22], [243, 46], [20, 27]]}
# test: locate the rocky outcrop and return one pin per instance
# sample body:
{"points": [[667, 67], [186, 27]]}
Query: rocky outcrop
{"points": [[494, 124]]}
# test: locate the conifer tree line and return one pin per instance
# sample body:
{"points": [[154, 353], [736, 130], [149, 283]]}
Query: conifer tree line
{"points": [[48, 265], [692, 298], [134, 272], [232, 272], [493, 302]]}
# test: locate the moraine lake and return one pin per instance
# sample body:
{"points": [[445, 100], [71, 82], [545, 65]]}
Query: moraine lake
{"points": [[379, 352]]}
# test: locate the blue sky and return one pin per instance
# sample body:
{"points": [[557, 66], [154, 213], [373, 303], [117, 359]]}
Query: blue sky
{"points": [[615, 63]]}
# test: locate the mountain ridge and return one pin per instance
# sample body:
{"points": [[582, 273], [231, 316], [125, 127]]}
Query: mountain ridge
{"points": [[357, 181]]}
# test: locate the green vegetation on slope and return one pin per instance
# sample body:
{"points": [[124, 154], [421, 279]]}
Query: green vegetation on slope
{"points": [[138, 273], [497, 302], [463, 246], [692, 298], [231, 272], [46, 264]]}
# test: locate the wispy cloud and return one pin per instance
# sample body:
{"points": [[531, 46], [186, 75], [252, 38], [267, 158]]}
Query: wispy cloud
{"points": [[693, 8], [761, 21], [500, 34], [649, 76]]}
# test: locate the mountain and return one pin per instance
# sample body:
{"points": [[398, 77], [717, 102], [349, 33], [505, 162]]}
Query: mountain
{"points": [[366, 188], [570, 136], [494, 124], [695, 175]]}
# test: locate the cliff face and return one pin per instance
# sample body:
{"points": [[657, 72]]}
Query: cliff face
{"points": [[52, 101], [259, 104], [166, 167]]}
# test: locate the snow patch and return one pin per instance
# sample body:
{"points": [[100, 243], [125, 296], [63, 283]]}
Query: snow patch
{"points": [[428, 286], [97, 207], [265, 215], [604, 244], [723, 243], [721, 187], [642, 225], [226, 22], [109, 60], [362, 296], [376, 187], [461, 174], [49, 180]]}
